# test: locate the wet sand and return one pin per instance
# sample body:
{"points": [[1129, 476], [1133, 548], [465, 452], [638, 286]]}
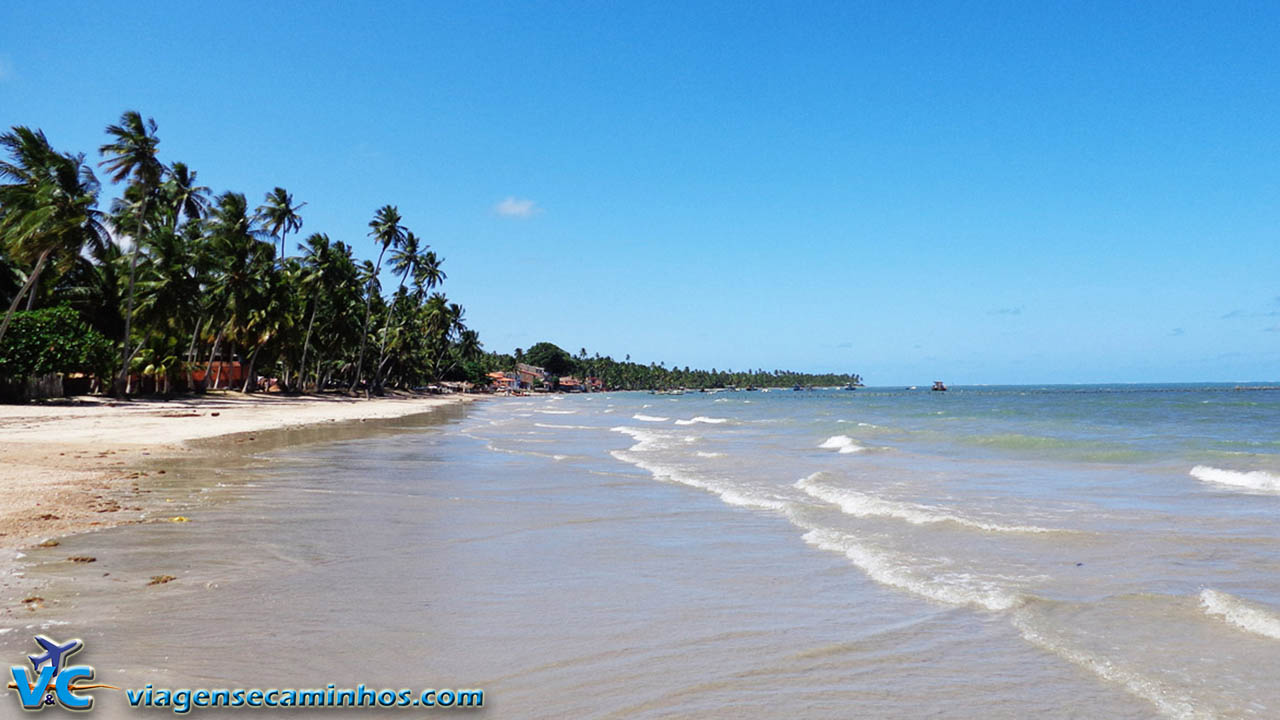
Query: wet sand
{"points": [[77, 466]]}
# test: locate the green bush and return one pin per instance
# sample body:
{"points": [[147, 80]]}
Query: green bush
{"points": [[52, 340]]}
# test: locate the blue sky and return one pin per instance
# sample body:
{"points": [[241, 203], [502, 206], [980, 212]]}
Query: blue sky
{"points": [[982, 193]]}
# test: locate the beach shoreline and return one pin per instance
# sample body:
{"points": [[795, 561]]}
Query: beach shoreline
{"points": [[81, 465]]}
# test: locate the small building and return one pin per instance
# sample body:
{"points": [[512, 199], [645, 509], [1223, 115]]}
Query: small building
{"points": [[570, 384], [502, 381], [530, 375], [218, 374]]}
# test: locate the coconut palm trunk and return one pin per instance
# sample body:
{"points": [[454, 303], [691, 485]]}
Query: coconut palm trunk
{"points": [[368, 312], [191, 356], [306, 344], [250, 377], [27, 286], [125, 355], [212, 353]]}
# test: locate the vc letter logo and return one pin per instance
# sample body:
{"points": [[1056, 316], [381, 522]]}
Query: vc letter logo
{"points": [[52, 680]]}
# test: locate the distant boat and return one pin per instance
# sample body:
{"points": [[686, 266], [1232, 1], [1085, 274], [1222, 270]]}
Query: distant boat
{"points": [[938, 386], [797, 388], [849, 386]]}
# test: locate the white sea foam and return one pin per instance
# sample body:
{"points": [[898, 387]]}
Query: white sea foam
{"points": [[563, 427], [842, 443], [648, 441], [1168, 701], [648, 418], [1257, 480], [1239, 613], [727, 492], [703, 419], [558, 412], [645, 439], [710, 454], [509, 451], [858, 504], [895, 570]]}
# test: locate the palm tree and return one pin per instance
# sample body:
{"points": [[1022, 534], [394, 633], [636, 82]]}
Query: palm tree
{"points": [[133, 155], [48, 209], [280, 216], [169, 292], [405, 259], [385, 227], [428, 274], [185, 197], [246, 272], [317, 282]]}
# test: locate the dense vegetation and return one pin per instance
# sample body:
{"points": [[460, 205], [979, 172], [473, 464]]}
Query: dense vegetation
{"points": [[174, 277], [147, 295], [51, 340], [627, 375]]}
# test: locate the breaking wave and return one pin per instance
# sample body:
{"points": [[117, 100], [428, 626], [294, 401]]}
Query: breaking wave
{"points": [[1167, 700], [649, 441], [1256, 480], [1239, 613], [841, 443], [898, 571], [852, 502]]}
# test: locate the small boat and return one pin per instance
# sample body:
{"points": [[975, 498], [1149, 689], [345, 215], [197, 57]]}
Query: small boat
{"points": [[797, 388], [938, 386], [849, 386]]}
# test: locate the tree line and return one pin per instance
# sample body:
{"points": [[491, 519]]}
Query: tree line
{"points": [[628, 375], [171, 278]]}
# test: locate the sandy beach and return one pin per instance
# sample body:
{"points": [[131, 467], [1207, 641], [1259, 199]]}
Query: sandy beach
{"points": [[73, 466]]}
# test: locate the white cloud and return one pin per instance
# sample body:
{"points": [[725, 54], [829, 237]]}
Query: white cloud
{"points": [[517, 208]]}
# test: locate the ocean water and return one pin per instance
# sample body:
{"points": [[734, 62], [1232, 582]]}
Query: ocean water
{"points": [[993, 552]]}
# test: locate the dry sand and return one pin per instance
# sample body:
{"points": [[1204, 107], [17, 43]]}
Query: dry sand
{"points": [[71, 467]]}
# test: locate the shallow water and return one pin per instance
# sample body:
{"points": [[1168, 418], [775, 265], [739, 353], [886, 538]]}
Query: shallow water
{"points": [[986, 552]]}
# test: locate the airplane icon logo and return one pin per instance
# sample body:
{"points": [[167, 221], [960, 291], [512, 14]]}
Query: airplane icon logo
{"points": [[54, 654]]}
